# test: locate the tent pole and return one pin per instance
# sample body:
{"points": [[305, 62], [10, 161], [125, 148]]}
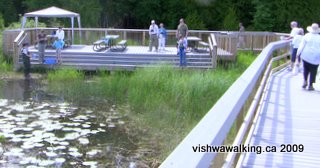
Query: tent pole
{"points": [[72, 33]]}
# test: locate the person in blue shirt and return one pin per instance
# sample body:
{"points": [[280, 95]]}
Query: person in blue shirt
{"points": [[162, 37], [182, 46], [58, 44]]}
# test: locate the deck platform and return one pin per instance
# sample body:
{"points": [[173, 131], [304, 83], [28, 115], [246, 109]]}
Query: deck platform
{"points": [[83, 57], [290, 116]]}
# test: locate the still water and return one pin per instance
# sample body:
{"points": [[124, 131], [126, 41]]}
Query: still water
{"points": [[41, 129]]}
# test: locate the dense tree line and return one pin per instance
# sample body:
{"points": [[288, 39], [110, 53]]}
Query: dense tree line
{"points": [[259, 15]]}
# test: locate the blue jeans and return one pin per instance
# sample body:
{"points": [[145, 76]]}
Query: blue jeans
{"points": [[182, 54]]}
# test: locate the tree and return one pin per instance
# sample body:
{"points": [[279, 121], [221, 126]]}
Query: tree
{"points": [[8, 11], [1, 22], [264, 18], [231, 20]]}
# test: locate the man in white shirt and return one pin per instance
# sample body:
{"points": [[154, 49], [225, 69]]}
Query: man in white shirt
{"points": [[60, 34], [294, 30], [153, 33]]}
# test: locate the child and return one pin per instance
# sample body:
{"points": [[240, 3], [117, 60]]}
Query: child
{"points": [[26, 60], [58, 44], [162, 37], [295, 43], [182, 46]]}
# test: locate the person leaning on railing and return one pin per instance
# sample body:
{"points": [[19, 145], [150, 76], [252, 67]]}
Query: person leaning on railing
{"points": [[309, 52]]}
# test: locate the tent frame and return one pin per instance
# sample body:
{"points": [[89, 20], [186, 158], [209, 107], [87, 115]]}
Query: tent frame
{"points": [[53, 12]]}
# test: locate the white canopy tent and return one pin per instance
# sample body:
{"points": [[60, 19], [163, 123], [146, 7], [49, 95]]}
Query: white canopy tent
{"points": [[53, 12]]}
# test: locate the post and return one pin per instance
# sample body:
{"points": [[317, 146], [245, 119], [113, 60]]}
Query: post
{"points": [[143, 38], [125, 35]]}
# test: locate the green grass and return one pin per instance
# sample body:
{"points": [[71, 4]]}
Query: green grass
{"points": [[5, 65]]}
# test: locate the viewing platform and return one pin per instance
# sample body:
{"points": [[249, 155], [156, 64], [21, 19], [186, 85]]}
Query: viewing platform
{"points": [[83, 57], [212, 47]]}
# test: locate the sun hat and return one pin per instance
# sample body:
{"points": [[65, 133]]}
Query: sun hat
{"points": [[314, 28]]}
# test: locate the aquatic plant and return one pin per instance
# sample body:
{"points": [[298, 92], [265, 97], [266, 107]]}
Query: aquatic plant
{"points": [[2, 139]]}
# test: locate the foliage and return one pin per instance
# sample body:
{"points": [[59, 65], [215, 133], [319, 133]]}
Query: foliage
{"points": [[264, 18], [2, 139], [194, 21], [30, 23], [1, 22], [5, 65], [258, 15], [9, 11], [230, 21]]}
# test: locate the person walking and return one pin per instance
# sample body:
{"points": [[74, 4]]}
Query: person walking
{"points": [[294, 30], [162, 37], [42, 42], [182, 45], [309, 52], [26, 60], [295, 44], [153, 33]]}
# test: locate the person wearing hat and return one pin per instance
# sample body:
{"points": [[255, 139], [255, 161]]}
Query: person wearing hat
{"points": [[26, 59], [153, 33], [309, 52]]}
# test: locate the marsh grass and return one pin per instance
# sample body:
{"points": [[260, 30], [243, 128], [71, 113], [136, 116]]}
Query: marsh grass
{"points": [[5, 65], [165, 102]]}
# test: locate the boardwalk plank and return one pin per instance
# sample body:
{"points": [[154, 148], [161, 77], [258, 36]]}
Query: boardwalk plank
{"points": [[290, 115]]}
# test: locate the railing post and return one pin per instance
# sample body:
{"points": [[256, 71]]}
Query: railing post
{"points": [[125, 35], [143, 38]]}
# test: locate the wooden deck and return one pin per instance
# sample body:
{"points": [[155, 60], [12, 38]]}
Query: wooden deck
{"points": [[83, 57], [291, 116]]}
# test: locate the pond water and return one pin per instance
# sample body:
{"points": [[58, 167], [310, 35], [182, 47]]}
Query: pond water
{"points": [[41, 129]]}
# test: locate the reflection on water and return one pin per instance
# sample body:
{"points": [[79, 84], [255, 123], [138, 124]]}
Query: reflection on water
{"points": [[20, 89], [42, 130]]}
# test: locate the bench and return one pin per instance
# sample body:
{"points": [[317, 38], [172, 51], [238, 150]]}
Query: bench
{"points": [[121, 46], [205, 46], [99, 45]]}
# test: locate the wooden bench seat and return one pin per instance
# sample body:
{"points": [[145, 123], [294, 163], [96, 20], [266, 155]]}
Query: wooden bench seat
{"points": [[99, 45], [204, 45], [121, 46]]}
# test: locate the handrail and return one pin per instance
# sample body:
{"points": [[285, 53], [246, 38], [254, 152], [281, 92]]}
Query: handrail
{"points": [[17, 46], [19, 36], [215, 125], [258, 110], [213, 49], [257, 100]]}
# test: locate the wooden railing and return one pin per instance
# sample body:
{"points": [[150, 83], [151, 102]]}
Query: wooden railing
{"points": [[228, 111], [253, 40], [17, 46]]}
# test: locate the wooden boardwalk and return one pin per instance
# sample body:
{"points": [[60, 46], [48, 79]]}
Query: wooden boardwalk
{"points": [[83, 57], [290, 115]]}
